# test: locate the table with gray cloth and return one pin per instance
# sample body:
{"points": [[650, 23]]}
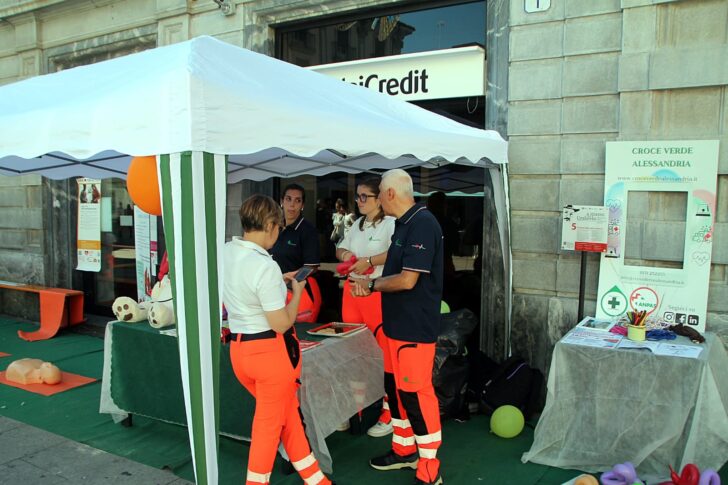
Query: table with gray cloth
{"points": [[609, 406], [142, 376]]}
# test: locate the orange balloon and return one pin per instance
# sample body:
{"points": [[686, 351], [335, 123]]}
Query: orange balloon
{"points": [[143, 186]]}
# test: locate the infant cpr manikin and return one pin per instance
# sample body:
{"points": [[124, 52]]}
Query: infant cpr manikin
{"points": [[33, 371]]}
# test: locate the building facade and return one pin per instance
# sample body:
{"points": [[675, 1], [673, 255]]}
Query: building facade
{"points": [[563, 76]]}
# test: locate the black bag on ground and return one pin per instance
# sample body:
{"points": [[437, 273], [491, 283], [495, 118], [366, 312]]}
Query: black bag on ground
{"points": [[450, 371], [514, 383]]}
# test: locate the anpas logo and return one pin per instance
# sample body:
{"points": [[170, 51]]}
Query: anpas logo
{"points": [[644, 298], [420, 246]]}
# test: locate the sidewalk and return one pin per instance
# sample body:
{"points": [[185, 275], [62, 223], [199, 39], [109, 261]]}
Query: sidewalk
{"points": [[31, 456]]}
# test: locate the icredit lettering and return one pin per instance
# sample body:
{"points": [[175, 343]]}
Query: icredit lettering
{"points": [[414, 82]]}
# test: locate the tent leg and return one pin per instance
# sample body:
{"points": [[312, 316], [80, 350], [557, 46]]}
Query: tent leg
{"points": [[193, 188], [503, 206]]}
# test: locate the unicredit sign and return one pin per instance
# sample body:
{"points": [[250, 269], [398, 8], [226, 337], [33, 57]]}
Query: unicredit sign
{"points": [[449, 73], [414, 82]]}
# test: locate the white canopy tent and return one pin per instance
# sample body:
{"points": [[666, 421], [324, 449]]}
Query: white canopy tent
{"points": [[214, 113]]}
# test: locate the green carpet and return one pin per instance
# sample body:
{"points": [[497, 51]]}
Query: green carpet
{"points": [[470, 454]]}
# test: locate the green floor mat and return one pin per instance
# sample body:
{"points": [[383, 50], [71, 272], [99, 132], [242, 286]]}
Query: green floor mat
{"points": [[470, 453]]}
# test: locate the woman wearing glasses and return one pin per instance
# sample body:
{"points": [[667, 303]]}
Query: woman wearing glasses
{"points": [[264, 350], [368, 241]]}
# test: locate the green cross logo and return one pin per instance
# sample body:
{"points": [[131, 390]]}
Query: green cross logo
{"points": [[290, 243], [614, 302], [397, 242]]}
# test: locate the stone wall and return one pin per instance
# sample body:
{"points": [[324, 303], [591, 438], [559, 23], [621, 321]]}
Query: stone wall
{"points": [[584, 73], [22, 251]]}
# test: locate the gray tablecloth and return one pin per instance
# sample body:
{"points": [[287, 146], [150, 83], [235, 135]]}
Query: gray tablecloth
{"points": [[339, 378], [608, 406]]}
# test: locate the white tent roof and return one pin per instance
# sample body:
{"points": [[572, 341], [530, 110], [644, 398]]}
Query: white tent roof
{"points": [[272, 118]]}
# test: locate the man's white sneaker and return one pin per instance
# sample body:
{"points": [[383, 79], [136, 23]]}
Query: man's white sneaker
{"points": [[380, 429], [343, 426]]}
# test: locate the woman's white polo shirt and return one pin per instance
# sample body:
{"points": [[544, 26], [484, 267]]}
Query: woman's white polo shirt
{"points": [[252, 285], [370, 241]]}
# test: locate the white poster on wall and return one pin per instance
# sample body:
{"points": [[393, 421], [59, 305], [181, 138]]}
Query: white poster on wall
{"points": [[584, 228], [143, 254], [675, 295], [88, 239]]}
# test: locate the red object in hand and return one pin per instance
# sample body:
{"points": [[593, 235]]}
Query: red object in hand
{"points": [[690, 475], [345, 267]]}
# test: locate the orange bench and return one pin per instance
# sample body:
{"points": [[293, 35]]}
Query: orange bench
{"points": [[58, 308]]}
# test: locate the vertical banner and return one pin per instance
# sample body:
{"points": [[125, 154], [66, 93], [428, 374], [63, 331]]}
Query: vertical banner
{"points": [[88, 244], [153, 248], [142, 252], [674, 295], [193, 189]]}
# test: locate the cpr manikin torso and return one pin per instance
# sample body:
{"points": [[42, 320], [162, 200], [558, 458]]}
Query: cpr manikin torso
{"points": [[33, 371]]}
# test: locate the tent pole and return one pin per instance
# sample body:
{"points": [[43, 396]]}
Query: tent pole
{"points": [[496, 295], [193, 190]]}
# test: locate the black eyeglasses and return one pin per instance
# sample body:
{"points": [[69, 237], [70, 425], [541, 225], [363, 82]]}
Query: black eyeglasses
{"points": [[363, 197]]}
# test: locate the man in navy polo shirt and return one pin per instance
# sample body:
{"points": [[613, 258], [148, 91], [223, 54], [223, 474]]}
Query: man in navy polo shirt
{"points": [[298, 246], [411, 287]]}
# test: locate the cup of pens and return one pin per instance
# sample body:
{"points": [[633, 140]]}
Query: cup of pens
{"points": [[636, 329]]}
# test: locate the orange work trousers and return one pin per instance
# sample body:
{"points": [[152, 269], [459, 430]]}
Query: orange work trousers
{"points": [[268, 365], [416, 421], [365, 309], [368, 310]]}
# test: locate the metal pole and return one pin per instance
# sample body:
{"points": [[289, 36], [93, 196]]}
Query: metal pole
{"points": [[582, 284]]}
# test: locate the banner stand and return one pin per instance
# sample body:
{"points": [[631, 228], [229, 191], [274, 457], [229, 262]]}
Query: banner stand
{"points": [[584, 229]]}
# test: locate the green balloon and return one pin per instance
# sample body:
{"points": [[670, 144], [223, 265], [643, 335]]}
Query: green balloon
{"points": [[507, 421], [444, 307]]}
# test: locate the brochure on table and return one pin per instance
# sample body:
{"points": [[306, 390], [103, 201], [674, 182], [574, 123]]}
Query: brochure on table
{"points": [[675, 295], [592, 338]]}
